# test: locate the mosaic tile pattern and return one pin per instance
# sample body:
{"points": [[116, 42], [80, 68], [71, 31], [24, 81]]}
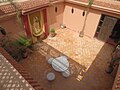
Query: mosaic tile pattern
{"points": [[88, 60], [82, 50]]}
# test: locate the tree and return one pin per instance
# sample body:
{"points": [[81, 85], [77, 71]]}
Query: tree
{"points": [[81, 34]]}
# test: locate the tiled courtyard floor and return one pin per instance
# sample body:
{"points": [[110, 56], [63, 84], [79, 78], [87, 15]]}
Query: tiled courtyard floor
{"points": [[88, 59]]}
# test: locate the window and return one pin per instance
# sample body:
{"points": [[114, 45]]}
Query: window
{"points": [[56, 9], [83, 14], [72, 11]]}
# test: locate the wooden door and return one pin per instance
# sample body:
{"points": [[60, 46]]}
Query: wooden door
{"points": [[107, 27]]}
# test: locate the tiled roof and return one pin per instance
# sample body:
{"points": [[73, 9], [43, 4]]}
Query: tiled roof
{"points": [[110, 4], [7, 9], [38, 3], [32, 4], [1, 12], [23, 5]]}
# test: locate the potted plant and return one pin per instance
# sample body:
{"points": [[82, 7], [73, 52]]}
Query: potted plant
{"points": [[52, 32], [24, 43]]}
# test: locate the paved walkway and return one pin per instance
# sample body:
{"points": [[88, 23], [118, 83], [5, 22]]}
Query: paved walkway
{"points": [[88, 59]]}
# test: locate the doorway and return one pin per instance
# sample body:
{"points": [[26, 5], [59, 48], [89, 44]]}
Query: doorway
{"points": [[115, 34], [108, 29]]}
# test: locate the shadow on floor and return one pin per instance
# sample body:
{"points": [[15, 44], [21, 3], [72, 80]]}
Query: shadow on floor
{"points": [[95, 78], [37, 65]]}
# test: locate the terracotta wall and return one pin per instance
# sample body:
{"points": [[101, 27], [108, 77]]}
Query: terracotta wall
{"points": [[55, 18], [11, 25], [75, 21]]}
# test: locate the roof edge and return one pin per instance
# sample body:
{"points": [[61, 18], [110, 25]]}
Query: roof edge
{"points": [[97, 7], [42, 6]]}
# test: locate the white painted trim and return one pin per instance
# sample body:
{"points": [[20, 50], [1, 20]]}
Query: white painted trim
{"points": [[20, 0], [5, 3]]}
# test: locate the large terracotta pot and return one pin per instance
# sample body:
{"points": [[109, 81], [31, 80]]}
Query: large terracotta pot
{"points": [[52, 34]]}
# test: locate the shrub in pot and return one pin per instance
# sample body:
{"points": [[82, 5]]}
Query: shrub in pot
{"points": [[52, 32], [24, 43]]}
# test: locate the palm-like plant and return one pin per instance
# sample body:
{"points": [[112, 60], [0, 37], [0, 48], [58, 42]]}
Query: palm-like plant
{"points": [[81, 34], [24, 41]]}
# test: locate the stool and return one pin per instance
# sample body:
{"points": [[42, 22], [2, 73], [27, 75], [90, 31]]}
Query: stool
{"points": [[50, 76], [50, 60], [66, 73]]}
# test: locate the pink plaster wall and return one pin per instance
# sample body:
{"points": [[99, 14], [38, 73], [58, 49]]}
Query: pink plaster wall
{"points": [[92, 23], [11, 25], [75, 21], [55, 18]]}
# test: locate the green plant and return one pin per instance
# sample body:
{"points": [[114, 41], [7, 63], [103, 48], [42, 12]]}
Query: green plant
{"points": [[24, 41], [52, 30], [90, 3]]}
